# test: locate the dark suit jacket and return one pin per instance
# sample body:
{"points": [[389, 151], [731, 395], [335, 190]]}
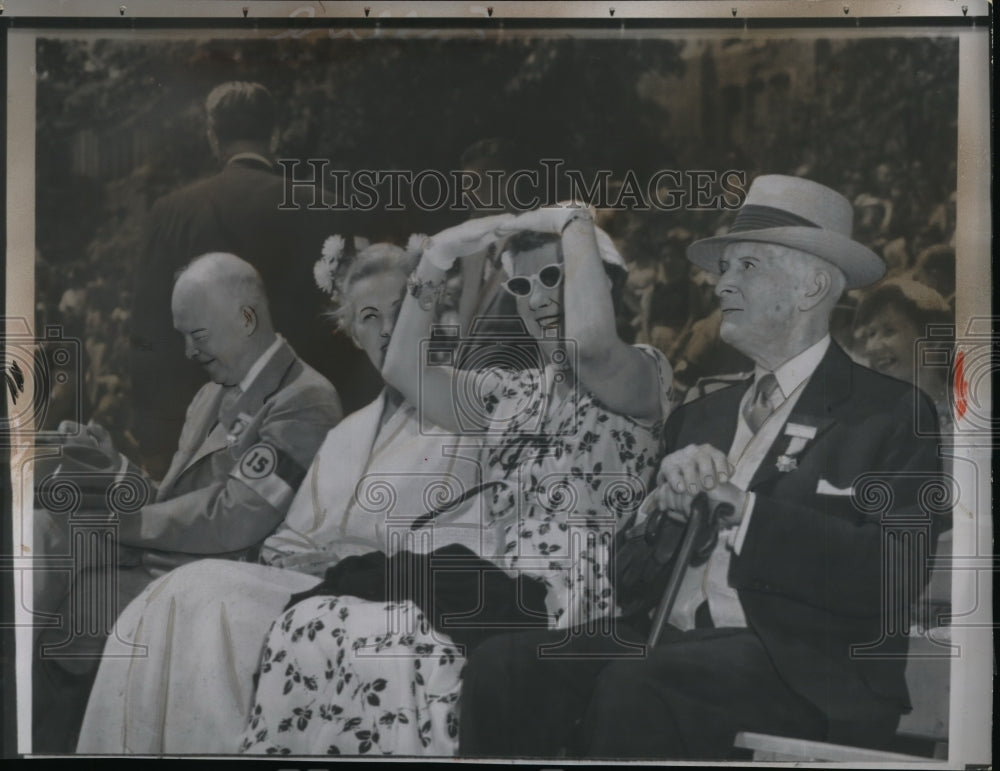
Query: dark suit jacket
{"points": [[813, 566], [236, 210]]}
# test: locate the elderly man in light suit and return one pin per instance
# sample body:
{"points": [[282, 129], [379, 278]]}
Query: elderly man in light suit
{"points": [[247, 441], [769, 634]]}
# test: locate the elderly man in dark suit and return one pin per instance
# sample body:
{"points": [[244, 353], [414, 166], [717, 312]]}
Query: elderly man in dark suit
{"points": [[242, 210], [790, 625], [248, 438]]}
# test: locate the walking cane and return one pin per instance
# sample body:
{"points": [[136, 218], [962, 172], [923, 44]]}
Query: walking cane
{"points": [[699, 515]]}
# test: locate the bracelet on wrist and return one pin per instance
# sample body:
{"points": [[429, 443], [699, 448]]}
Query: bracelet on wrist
{"points": [[425, 291]]}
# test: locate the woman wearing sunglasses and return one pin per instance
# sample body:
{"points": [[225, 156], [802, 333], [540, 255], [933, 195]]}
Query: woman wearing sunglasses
{"points": [[568, 435]]}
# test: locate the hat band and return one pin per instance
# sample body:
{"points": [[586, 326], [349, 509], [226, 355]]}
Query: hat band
{"points": [[756, 217]]}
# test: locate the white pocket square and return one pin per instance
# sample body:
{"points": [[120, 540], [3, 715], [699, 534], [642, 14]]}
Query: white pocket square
{"points": [[825, 488]]}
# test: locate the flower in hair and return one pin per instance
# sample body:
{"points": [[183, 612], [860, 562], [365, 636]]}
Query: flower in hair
{"points": [[325, 269]]}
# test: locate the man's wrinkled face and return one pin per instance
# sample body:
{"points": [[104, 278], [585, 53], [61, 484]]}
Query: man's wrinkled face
{"points": [[759, 288], [215, 333]]}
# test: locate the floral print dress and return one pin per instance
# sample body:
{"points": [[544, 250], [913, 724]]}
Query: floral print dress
{"points": [[340, 675]]}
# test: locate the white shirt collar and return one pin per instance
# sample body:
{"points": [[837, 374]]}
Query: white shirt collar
{"points": [[794, 371], [261, 362], [251, 156]]}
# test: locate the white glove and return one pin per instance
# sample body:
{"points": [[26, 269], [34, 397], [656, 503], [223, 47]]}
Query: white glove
{"points": [[442, 249], [548, 219]]}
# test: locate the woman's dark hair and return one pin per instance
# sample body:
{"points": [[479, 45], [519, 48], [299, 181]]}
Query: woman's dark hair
{"points": [[915, 301], [527, 240]]}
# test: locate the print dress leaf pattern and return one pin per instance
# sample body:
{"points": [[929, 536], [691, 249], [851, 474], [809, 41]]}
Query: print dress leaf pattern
{"points": [[344, 676]]}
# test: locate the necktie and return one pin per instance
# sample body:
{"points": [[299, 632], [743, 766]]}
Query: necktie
{"points": [[230, 396], [762, 405]]}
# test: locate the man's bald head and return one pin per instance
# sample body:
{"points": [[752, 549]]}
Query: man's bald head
{"points": [[220, 273], [220, 306]]}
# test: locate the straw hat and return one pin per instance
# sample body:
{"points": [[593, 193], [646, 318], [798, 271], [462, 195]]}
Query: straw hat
{"points": [[799, 214]]}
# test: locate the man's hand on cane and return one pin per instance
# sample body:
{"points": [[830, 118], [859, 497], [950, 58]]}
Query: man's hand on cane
{"points": [[692, 470], [694, 490]]}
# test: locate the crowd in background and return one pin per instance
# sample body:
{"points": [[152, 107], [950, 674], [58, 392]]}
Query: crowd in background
{"points": [[667, 302], [115, 144], [91, 305], [670, 303], [729, 107]]}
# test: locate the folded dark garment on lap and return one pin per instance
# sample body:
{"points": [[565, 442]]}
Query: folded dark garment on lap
{"points": [[461, 594]]}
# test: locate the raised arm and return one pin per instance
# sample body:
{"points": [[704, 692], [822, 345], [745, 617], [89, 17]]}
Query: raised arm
{"points": [[621, 376], [472, 288], [430, 386]]}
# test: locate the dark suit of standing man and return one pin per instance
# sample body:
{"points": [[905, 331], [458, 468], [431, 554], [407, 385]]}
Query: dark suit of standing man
{"points": [[236, 211], [793, 624]]}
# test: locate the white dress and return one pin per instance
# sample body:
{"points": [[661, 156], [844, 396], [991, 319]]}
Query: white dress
{"points": [[177, 672]]}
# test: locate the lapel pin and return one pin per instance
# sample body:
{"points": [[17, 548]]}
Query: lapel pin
{"points": [[239, 426], [798, 437], [786, 463]]}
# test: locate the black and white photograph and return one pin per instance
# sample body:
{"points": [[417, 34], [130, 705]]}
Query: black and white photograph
{"points": [[400, 383]]}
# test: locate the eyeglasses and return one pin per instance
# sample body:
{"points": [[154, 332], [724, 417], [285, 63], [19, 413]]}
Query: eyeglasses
{"points": [[549, 277]]}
